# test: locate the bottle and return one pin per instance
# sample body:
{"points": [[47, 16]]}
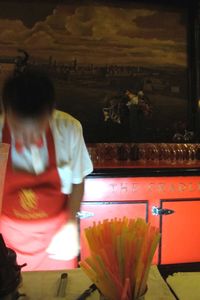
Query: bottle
{"points": [[122, 152], [134, 153]]}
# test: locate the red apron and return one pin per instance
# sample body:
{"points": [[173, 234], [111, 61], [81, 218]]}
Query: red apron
{"points": [[33, 210]]}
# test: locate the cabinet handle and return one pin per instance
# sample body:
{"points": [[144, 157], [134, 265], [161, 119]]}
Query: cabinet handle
{"points": [[157, 211], [84, 214]]}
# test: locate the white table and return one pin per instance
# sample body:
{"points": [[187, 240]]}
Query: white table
{"points": [[43, 285], [185, 285]]}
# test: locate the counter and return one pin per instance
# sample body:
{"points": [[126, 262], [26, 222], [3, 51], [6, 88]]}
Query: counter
{"points": [[43, 285]]}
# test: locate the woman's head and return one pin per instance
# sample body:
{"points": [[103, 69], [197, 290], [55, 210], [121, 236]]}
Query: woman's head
{"points": [[29, 94], [28, 102]]}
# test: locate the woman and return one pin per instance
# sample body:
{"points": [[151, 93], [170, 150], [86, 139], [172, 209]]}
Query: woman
{"points": [[44, 181]]}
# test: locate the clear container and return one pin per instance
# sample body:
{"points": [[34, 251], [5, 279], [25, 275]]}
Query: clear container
{"points": [[101, 297]]}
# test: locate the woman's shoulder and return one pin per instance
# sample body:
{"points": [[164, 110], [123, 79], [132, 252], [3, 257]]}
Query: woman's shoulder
{"points": [[64, 120]]}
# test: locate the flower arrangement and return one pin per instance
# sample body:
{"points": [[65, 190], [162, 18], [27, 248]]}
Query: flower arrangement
{"points": [[141, 101], [117, 107]]}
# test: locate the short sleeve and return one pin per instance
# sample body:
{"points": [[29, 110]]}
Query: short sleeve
{"points": [[73, 160]]}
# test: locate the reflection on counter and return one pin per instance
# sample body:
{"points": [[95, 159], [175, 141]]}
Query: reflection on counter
{"points": [[43, 285], [144, 154]]}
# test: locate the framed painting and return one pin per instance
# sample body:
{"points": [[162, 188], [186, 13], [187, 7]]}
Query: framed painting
{"points": [[122, 68]]}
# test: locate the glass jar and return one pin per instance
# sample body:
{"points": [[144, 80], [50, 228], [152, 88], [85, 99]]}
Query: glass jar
{"points": [[122, 152], [142, 297]]}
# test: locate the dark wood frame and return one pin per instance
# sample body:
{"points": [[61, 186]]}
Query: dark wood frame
{"points": [[194, 76]]}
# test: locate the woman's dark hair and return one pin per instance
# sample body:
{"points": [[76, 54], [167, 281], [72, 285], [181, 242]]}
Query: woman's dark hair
{"points": [[29, 94]]}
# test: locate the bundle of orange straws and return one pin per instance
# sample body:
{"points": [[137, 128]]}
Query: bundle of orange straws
{"points": [[121, 255]]}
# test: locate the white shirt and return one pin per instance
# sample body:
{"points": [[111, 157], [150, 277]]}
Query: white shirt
{"points": [[73, 161]]}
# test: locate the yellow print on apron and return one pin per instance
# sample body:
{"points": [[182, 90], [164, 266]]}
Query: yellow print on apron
{"points": [[28, 199], [29, 202]]}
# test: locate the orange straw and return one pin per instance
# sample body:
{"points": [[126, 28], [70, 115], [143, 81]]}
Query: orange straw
{"points": [[126, 292]]}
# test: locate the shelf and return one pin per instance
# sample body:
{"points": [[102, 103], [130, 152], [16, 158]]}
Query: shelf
{"points": [[138, 169]]}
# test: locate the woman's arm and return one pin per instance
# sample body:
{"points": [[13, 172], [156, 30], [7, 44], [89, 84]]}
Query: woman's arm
{"points": [[75, 199], [65, 243]]}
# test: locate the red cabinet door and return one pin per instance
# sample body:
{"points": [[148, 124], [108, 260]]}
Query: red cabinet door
{"points": [[109, 210], [180, 231]]}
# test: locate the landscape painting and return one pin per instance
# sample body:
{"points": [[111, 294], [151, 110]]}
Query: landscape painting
{"points": [[118, 67]]}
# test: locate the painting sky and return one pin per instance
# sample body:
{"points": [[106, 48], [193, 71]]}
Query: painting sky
{"points": [[99, 34]]}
